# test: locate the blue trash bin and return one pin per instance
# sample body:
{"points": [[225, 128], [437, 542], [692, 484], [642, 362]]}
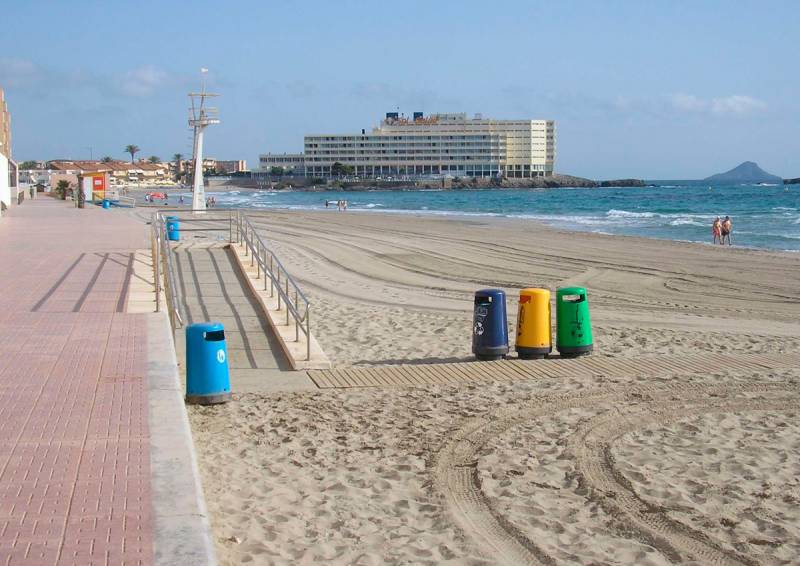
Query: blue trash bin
{"points": [[207, 375], [173, 228], [490, 325], [106, 203]]}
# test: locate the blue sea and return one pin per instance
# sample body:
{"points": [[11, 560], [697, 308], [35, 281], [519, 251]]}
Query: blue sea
{"points": [[765, 217]]}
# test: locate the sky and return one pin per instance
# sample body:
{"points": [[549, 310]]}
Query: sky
{"points": [[657, 90]]}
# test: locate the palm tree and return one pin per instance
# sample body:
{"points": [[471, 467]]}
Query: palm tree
{"points": [[154, 159], [178, 159], [107, 159], [132, 149]]}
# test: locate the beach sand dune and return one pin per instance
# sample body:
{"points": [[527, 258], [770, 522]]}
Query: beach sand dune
{"points": [[609, 470]]}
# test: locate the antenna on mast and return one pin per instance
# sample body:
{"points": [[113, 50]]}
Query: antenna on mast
{"points": [[200, 116]]}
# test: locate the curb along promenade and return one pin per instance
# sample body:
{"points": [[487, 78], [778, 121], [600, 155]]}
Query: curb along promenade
{"points": [[96, 460]]}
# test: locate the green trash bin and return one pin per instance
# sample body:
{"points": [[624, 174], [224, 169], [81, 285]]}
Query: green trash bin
{"points": [[574, 328]]}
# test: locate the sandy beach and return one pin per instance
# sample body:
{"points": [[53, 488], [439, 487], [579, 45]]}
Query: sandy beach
{"points": [[696, 469]]}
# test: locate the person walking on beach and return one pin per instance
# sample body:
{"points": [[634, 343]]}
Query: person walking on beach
{"points": [[727, 228], [716, 230]]}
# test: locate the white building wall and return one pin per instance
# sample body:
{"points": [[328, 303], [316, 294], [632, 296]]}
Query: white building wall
{"points": [[450, 144], [5, 189]]}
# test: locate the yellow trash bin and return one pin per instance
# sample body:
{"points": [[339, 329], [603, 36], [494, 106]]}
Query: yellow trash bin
{"points": [[533, 324]]}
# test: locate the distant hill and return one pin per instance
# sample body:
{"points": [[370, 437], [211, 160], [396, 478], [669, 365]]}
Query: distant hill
{"points": [[747, 172]]}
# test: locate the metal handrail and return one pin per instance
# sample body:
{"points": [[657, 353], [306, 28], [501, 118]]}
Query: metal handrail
{"points": [[278, 277], [162, 263], [289, 294]]}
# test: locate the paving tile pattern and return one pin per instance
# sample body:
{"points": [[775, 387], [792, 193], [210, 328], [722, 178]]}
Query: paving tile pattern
{"points": [[74, 444]]}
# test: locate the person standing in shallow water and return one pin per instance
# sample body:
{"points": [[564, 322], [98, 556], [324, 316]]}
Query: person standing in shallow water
{"points": [[716, 230], [727, 228]]}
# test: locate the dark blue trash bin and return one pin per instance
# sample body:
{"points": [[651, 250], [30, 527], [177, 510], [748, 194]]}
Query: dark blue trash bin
{"points": [[207, 375], [490, 325], [173, 228], [106, 203]]}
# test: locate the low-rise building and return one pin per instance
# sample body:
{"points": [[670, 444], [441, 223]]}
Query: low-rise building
{"points": [[231, 165], [292, 163], [209, 165], [8, 168], [119, 172]]}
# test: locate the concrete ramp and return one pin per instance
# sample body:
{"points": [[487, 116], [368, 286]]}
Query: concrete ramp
{"points": [[211, 288]]}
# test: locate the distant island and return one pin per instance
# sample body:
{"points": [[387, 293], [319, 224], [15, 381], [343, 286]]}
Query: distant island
{"points": [[747, 172]]}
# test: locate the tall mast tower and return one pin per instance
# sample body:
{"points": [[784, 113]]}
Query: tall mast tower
{"points": [[200, 116]]}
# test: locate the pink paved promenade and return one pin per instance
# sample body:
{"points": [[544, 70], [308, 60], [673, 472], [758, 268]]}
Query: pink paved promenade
{"points": [[75, 482]]}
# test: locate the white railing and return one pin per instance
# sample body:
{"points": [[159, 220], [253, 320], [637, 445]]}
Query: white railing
{"points": [[127, 201]]}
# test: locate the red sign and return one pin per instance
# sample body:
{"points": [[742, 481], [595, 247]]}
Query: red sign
{"points": [[98, 182]]}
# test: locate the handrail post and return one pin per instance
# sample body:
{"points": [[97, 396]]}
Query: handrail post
{"points": [[287, 300], [296, 321], [308, 332]]}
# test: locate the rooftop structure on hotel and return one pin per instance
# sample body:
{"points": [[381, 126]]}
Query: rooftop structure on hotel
{"points": [[441, 144]]}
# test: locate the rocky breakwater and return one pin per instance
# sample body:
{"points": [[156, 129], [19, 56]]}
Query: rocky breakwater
{"points": [[555, 181]]}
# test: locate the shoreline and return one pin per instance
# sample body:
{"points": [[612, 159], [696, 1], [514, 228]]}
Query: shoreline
{"points": [[455, 215], [765, 219], [523, 221]]}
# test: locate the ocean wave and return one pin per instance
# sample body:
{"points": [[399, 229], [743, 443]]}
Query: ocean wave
{"points": [[371, 205], [564, 220], [614, 213], [686, 222]]}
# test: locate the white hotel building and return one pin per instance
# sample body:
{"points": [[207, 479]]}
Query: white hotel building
{"points": [[441, 144]]}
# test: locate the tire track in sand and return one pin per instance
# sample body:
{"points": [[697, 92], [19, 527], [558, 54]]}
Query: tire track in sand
{"points": [[456, 475]]}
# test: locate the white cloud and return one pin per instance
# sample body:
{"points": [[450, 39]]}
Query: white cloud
{"points": [[142, 81], [737, 104], [734, 104], [688, 102]]}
